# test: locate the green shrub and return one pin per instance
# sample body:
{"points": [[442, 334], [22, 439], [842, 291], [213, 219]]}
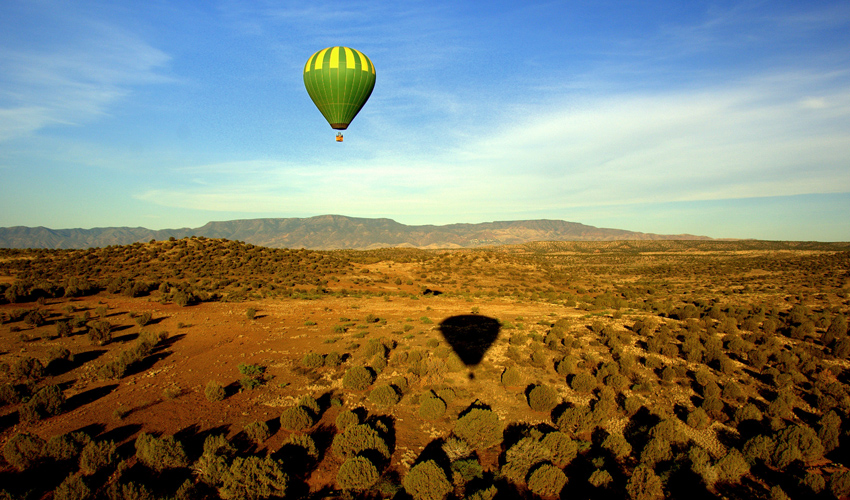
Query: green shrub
{"points": [[732, 466], [426, 481], [384, 395], [358, 438], [305, 442], [257, 432], [839, 483], [296, 418], [213, 466], [144, 318], [480, 428], [23, 450], [575, 420], [66, 446], [160, 453], [310, 403], [45, 403], [358, 378], [312, 360], [465, 470], [698, 419], [813, 481], [431, 407], [521, 457], [214, 391], [100, 332], [583, 382], [600, 478], [27, 368], [97, 455], [656, 450], [543, 398], [617, 445], [9, 394], [346, 418], [253, 478], [561, 447], [547, 480], [332, 359], [644, 484], [357, 473], [72, 488]]}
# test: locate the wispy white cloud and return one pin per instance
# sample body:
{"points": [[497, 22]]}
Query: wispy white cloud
{"points": [[764, 137], [70, 75]]}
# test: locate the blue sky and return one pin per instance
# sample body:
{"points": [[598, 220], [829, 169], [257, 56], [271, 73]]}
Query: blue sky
{"points": [[726, 119]]}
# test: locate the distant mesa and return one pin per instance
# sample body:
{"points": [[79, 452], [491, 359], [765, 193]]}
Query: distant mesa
{"points": [[333, 232]]}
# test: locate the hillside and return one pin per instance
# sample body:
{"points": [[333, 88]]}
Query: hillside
{"points": [[329, 232]]}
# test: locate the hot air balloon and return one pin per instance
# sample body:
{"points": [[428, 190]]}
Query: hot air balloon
{"points": [[339, 81]]}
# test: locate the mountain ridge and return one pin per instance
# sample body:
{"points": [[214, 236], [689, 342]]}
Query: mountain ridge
{"points": [[332, 232]]}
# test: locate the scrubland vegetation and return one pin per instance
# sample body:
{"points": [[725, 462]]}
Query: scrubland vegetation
{"points": [[202, 368]]}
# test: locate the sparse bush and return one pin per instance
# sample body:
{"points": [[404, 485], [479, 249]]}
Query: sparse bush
{"points": [[144, 318], [617, 445], [66, 446], [312, 360], [543, 398], [547, 480], [332, 359], [426, 481], [839, 483], [97, 455], [698, 419], [384, 395], [257, 432], [575, 420], [644, 484], [253, 478], [72, 488], [521, 457], [100, 332], [27, 368], [305, 442], [214, 391], [23, 450], [358, 378], [480, 428], [358, 438], [160, 453], [296, 418], [813, 481], [45, 403], [583, 382], [357, 473], [346, 418], [732, 466], [656, 450], [562, 449], [511, 377], [600, 478]]}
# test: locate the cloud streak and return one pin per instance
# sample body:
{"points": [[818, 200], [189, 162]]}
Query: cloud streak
{"points": [[71, 75]]}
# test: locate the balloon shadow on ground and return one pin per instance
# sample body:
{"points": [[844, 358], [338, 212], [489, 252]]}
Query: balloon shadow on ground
{"points": [[470, 336]]}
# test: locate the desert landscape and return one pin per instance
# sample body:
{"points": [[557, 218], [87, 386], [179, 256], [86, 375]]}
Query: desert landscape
{"points": [[208, 368]]}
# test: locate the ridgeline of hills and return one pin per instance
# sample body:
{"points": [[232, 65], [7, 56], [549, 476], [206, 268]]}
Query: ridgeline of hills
{"points": [[330, 232]]}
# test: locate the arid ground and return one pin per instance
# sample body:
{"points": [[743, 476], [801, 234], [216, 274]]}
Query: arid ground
{"points": [[616, 370]]}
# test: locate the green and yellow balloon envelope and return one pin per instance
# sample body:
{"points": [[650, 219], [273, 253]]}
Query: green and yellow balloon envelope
{"points": [[340, 81]]}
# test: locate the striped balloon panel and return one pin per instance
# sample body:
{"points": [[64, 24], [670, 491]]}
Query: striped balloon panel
{"points": [[339, 81]]}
